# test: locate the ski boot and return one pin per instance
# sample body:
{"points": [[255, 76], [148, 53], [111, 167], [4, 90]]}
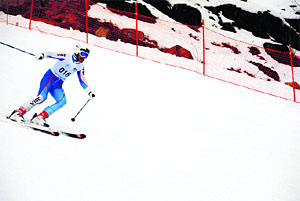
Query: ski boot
{"points": [[40, 119], [16, 116]]}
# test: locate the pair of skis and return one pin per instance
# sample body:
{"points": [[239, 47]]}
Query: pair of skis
{"points": [[45, 130]]}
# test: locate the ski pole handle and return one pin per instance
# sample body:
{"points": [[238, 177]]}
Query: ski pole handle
{"points": [[73, 119]]}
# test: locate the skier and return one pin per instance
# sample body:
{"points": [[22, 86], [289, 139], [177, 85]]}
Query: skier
{"points": [[52, 82]]}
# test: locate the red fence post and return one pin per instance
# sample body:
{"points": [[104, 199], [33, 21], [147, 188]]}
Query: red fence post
{"points": [[86, 22], [30, 14], [291, 58], [203, 47], [6, 12], [137, 34]]}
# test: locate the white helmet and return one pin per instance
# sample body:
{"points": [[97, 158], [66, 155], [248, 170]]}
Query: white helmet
{"points": [[81, 52]]}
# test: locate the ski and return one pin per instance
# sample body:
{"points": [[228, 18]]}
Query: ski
{"points": [[46, 130], [57, 132], [54, 133], [72, 135]]}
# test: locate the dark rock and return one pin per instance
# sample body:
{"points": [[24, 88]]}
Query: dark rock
{"points": [[256, 52], [293, 84], [295, 23], [228, 27], [178, 51], [228, 45], [129, 36], [261, 24], [180, 12], [21, 7], [266, 70], [280, 53], [129, 9], [239, 70]]}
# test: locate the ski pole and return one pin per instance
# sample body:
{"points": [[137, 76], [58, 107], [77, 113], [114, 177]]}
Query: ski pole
{"points": [[17, 49], [73, 119]]}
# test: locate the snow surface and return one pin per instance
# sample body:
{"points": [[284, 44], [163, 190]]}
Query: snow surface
{"points": [[154, 132]]}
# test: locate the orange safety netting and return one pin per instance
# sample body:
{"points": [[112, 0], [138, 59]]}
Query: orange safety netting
{"points": [[197, 49]]}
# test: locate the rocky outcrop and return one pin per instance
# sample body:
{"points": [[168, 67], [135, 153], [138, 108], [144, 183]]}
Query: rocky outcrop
{"points": [[178, 51], [280, 53], [293, 84], [261, 24], [122, 7], [129, 36], [267, 71], [235, 50], [131, 33], [239, 70], [102, 32], [126, 35], [256, 52], [180, 12]]}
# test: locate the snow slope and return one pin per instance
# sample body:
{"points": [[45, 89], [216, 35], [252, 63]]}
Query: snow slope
{"points": [[154, 132]]}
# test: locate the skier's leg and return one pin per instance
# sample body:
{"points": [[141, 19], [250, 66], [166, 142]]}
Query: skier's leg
{"points": [[31, 103], [45, 86], [59, 95]]}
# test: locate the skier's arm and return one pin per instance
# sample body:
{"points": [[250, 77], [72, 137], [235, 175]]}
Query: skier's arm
{"points": [[84, 84], [50, 54]]}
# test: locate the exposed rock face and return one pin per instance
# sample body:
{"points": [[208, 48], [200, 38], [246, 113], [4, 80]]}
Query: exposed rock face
{"points": [[282, 54], [127, 35], [17, 7], [239, 70], [178, 51], [131, 33], [295, 23], [229, 46], [180, 12], [129, 9], [267, 71], [102, 32], [293, 84], [261, 24], [256, 52]]}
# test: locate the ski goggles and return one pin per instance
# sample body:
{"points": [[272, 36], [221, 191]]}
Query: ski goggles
{"points": [[84, 54]]}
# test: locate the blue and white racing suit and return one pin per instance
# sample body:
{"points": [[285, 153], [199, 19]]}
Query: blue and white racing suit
{"points": [[53, 80]]}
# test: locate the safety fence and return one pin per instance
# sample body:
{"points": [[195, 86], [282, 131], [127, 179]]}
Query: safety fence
{"points": [[195, 48]]}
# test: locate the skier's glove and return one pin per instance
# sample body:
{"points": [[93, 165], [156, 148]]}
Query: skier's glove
{"points": [[40, 56], [90, 93]]}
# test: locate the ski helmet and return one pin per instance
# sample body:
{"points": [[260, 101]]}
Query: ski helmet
{"points": [[81, 52]]}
